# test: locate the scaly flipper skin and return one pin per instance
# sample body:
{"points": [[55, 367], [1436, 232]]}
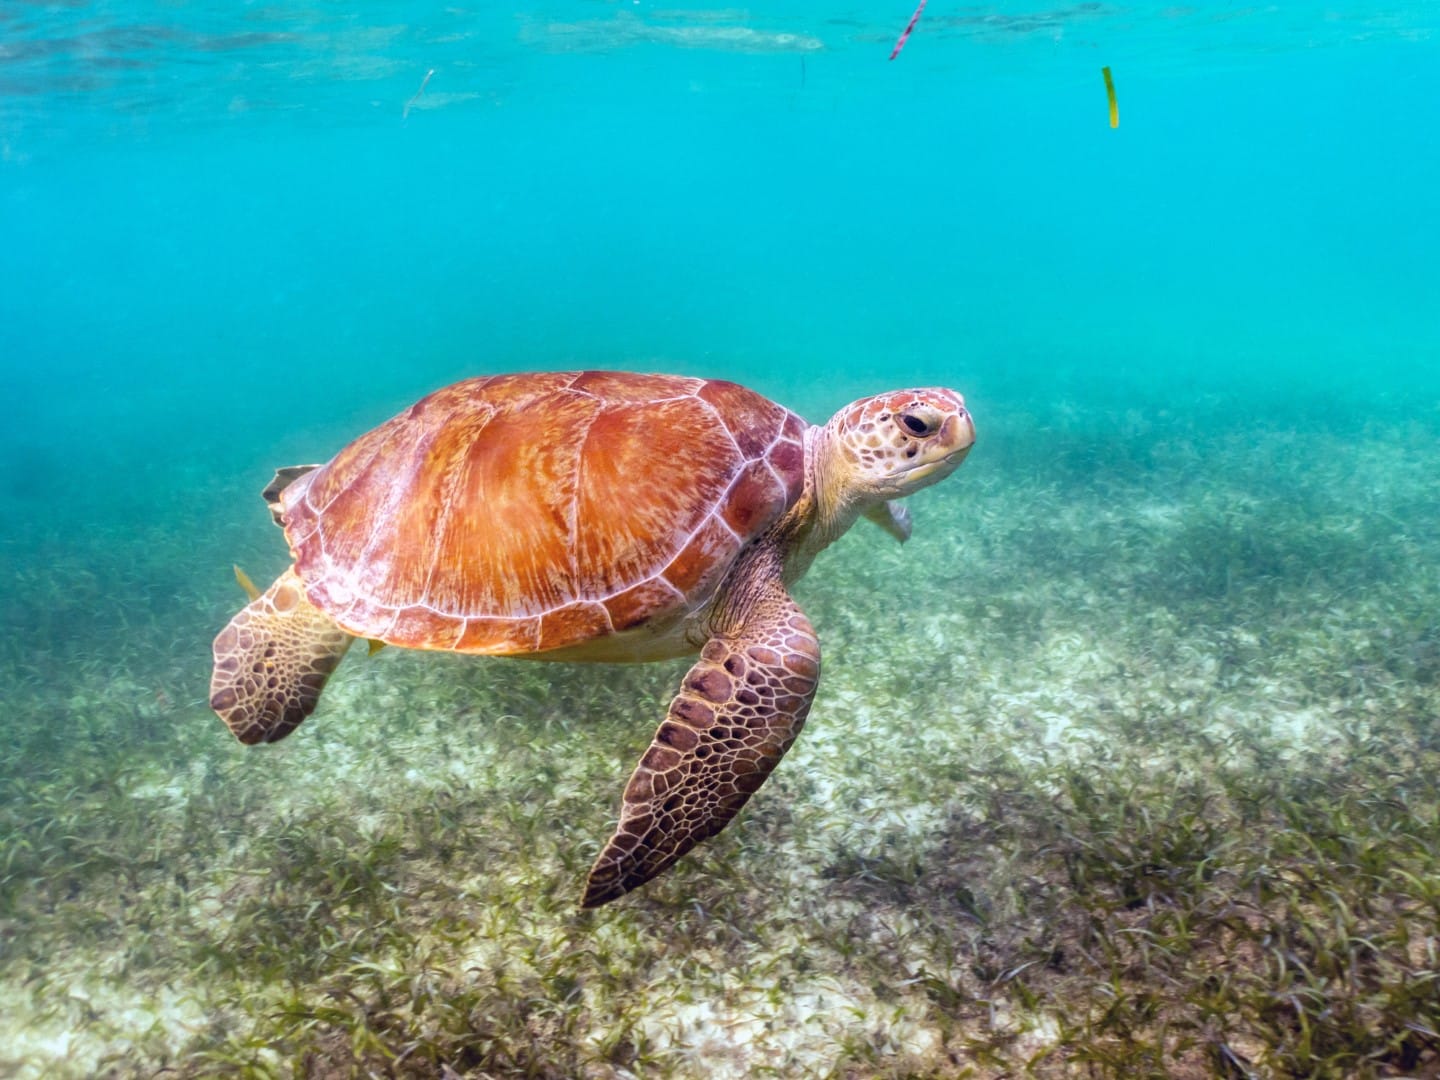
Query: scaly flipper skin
{"points": [[272, 661], [738, 710]]}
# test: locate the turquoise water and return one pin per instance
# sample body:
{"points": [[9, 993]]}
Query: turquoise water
{"points": [[225, 218], [235, 236]]}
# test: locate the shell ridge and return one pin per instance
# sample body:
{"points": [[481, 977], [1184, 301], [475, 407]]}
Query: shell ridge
{"points": [[782, 437], [576, 376], [372, 556], [448, 499], [484, 468], [389, 626], [572, 511], [318, 510], [719, 419]]}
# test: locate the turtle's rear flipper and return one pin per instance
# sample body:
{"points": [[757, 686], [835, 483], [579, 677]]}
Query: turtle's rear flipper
{"points": [[272, 661], [283, 478]]}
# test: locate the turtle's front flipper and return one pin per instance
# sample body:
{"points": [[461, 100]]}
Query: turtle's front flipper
{"points": [[892, 517], [271, 662], [738, 710]]}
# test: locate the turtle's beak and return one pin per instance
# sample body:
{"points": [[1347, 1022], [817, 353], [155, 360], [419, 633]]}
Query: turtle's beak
{"points": [[959, 433]]}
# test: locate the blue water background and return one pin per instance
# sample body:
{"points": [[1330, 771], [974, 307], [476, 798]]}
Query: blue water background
{"points": [[226, 243]]}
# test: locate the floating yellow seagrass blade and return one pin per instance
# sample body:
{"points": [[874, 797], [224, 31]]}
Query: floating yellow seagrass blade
{"points": [[245, 583], [1110, 93]]}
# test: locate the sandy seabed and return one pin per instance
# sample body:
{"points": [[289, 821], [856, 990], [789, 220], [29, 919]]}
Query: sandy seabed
{"points": [[1123, 766]]}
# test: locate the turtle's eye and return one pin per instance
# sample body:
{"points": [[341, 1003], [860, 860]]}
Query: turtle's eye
{"points": [[917, 425]]}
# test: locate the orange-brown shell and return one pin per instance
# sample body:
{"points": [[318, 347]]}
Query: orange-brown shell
{"points": [[518, 513]]}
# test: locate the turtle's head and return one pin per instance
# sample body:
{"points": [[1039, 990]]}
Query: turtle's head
{"points": [[892, 445]]}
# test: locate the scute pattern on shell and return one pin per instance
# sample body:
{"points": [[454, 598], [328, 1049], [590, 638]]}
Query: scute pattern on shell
{"points": [[519, 513]]}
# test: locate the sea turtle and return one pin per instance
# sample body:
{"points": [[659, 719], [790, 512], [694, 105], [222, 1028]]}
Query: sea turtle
{"points": [[591, 515]]}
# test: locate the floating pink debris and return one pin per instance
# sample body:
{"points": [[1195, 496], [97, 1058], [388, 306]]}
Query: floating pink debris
{"points": [[908, 27]]}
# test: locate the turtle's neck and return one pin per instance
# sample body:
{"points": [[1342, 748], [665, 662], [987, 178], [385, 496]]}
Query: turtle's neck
{"points": [[824, 513]]}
